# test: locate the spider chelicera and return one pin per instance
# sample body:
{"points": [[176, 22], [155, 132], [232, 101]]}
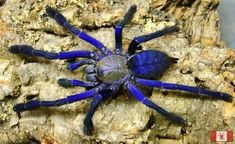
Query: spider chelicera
{"points": [[107, 70]]}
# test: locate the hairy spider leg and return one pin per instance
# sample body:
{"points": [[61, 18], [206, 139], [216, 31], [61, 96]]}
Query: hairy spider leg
{"points": [[140, 97], [34, 104], [88, 124], [172, 86], [28, 50], [119, 27], [133, 46], [76, 65], [91, 77], [74, 82], [90, 69], [61, 20], [80, 53]]}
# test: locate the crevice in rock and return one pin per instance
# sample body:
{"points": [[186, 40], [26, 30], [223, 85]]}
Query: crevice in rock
{"points": [[213, 6], [33, 140], [53, 33], [183, 130], [231, 83], [200, 83], [188, 3], [94, 27], [150, 123], [30, 97], [15, 125], [19, 116], [47, 31], [2, 2]]}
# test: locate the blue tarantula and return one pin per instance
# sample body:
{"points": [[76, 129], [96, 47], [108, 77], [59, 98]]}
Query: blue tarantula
{"points": [[107, 70]]}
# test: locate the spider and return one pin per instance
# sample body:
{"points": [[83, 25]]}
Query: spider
{"points": [[107, 71]]}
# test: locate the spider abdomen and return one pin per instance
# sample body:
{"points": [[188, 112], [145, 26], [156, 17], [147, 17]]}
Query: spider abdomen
{"points": [[112, 68], [149, 63]]}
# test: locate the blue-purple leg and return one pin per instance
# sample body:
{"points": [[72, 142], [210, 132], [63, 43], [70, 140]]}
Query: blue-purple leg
{"points": [[90, 69], [34, 104], [88, 124], [61, 20], [73, 82], [140, 97], [80, 53], [134, 45], [91, 77], [171, 86], [28, 50], [119, 26], [75, 65]]}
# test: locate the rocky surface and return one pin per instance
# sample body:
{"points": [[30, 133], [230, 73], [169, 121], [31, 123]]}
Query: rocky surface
{"points": [[203, 61]]}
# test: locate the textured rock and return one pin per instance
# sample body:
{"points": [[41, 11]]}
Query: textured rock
{"points": [[202, 62]]}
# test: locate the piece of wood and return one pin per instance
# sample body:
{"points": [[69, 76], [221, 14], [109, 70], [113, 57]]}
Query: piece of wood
{"points": [[202, 62]]}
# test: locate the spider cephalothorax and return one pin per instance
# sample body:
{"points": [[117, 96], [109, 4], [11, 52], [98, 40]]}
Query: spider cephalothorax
{"points": [[107, 71], [112, 69]]}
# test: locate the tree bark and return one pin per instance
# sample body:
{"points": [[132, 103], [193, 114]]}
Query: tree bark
{"points": [[203, 61]]}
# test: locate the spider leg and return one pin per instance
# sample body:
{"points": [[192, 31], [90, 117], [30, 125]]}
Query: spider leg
{"points": [[75, 65], [34, 104], [140, 97], [28, 50], [90, 69], [133, 46], [61, 20], [91, 75], [171, 86], [73, 82], [119, 27], [88, 124]]}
